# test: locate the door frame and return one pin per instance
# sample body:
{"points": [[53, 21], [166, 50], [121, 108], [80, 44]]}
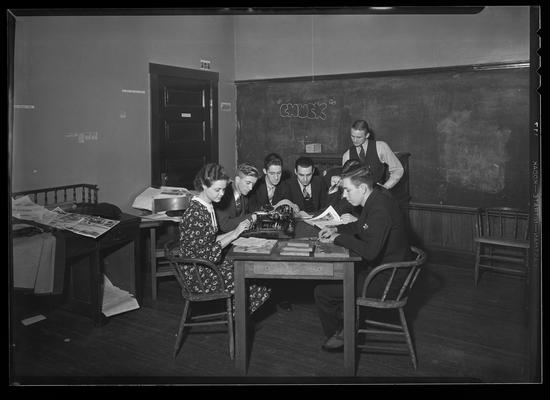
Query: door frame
{"points": [[156, 70]]}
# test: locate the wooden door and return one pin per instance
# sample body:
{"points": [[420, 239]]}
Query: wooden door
{"points": [[183, 124]]}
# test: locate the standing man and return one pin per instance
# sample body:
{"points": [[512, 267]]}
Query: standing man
{"points": [[309, 193], [374, 153], [378, 236], [234, 205], [268, 189]]}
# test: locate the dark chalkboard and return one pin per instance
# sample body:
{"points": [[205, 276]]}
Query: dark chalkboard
{"points": [[465, 127]]}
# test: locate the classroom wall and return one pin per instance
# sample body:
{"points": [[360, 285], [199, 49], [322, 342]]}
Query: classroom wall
{"points": [[305, 45], [73, 123]]}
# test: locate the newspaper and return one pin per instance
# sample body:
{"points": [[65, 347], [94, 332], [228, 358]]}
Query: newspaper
{"points": [[24, 208], [86, 225], [329, 217]]}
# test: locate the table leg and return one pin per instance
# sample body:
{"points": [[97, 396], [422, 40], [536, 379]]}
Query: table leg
{"points": [[241, 314], [153, 261], [349, 318], [96, 286]]}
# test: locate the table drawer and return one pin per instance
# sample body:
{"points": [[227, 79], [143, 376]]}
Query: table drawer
{"points": [[293, 269], [117, 235]]}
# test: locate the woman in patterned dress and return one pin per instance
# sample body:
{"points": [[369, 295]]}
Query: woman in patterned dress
{"points": [[199, 238]]}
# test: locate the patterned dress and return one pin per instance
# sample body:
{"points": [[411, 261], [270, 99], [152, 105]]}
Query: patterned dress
{"points": [[198, 240]]}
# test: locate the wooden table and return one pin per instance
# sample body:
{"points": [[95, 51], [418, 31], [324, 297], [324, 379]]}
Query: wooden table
{"points": [[275, 266]]}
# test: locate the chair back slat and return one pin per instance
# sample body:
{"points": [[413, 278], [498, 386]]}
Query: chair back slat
{"points": [[409, 270], [408, 283], [502, 222], [388, 284], [185, 266]]}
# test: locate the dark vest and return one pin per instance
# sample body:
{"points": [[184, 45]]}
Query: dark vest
{"points": [[377, 167]]}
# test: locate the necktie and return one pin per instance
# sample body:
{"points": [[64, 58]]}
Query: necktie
{"points": [[270, 191], [238, 205], [306, 193], [362, 154]]}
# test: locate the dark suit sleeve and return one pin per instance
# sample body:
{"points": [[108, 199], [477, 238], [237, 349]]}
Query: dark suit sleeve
{"points": [[255, 198], [226, 214], [369, 236], [323, 196]]}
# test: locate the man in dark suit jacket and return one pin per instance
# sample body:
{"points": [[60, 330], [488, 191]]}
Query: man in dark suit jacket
{"points": [[269, 189], [306, 191], [378, 236], [234, 205]]}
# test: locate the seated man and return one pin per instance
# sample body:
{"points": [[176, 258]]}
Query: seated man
{"points": [[333, 178], [234, 205], [378, 236], [268, 189], [307, 192]]}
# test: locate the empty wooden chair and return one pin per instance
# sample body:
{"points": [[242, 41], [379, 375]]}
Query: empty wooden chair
{"points": [[501, 241], [395, 281], [195, 289]]}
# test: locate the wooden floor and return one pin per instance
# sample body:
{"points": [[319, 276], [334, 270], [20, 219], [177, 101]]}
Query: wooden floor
{"points": [[462, 334]]}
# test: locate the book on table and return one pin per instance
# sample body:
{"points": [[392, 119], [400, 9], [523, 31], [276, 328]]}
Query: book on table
{"points": [[296, 248]]}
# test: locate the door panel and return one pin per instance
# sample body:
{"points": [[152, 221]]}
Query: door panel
{"points": [[183, 137]]}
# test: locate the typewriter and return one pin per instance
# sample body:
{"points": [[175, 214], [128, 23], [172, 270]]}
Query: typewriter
{"points": [[276, 223]]}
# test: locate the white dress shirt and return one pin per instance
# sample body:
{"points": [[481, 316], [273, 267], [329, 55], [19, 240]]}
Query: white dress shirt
{"points": [[386, 156]]}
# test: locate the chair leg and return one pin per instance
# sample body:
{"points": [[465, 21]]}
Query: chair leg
{"points": [[478, 259], [179, 335], [407, 336], [230, 328]]}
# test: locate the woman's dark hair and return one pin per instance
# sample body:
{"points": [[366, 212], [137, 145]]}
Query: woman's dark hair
{"points": [[208, 174], [362, 125]]}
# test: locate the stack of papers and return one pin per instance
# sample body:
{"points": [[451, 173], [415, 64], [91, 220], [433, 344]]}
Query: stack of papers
{"points": [[254, 245], [116, 300]]}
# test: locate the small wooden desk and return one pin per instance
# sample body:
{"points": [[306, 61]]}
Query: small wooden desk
{"points": [[275, 266], [154, 254], [116, 253]]}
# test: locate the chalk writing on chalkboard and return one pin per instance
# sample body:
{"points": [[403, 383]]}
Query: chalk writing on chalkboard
{"points": [[306, 110]]}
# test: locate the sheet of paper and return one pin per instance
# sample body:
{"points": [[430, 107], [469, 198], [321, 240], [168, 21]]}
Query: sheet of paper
{"points": [[32, 320], [24, 208], [116, 300], [161, 216]]}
